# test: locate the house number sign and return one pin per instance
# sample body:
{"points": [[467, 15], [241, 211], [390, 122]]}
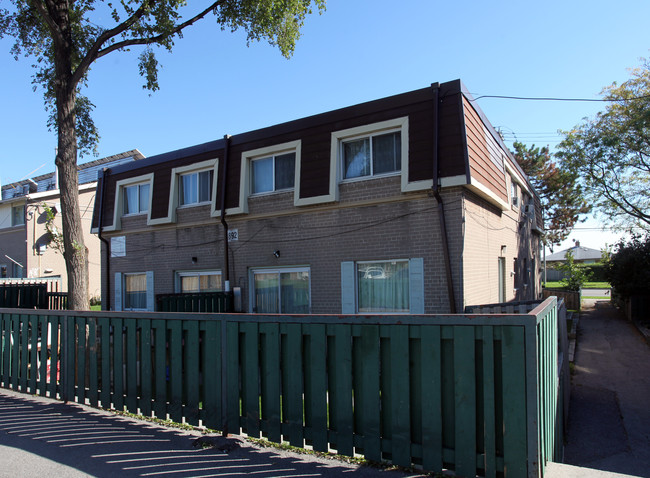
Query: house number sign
{"points": [[233, 235]]}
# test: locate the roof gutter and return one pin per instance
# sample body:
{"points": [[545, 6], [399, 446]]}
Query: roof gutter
{"points": [[435, 191], [224, 182], [103, 175]]}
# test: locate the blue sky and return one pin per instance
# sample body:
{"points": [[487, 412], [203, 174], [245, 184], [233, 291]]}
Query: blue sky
{"points": [[358, 50]]}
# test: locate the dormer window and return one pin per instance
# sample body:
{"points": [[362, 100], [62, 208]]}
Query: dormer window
{"points": [[136, 199], [273, 173], [372, 155], [195, 188]]}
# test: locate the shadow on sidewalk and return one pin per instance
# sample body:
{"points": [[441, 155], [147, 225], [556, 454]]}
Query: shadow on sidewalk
{"points": [[98, 443]]}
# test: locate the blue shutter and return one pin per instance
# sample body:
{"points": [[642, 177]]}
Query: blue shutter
{"points": [[416, 285], [118, 291], [348, 290], [151, 299]]}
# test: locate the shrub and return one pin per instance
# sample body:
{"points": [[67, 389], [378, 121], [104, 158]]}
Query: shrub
{"points": [[628, 268], [575, 274]]}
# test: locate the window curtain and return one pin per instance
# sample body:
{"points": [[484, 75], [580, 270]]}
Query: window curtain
{"points": [[285, 171], [386, 153], [262, 177], [383, 287], [266, 293], [294, 291], [135, 296], [188, 189], [356, 158]]}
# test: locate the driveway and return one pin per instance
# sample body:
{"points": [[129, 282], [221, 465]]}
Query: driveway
{"points": [[609, 419]]}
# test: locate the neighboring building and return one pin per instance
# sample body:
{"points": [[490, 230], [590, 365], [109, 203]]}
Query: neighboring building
{"points": [[25, 245], [581, 255], [334, 213]]}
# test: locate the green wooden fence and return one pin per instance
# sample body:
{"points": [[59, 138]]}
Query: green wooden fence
{"points": [[195, 302], [474, 393]]}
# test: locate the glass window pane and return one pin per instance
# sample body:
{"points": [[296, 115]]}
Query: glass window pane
{"points": [[205, 186], [189, 283], [135, 286], [285, 170], [356, 158], [262, 175], [383, 287], [386, 153], [266, 293], [188, 189], [144, 198], [131, 200], [294, 289], [18, 215], [209, 282]]}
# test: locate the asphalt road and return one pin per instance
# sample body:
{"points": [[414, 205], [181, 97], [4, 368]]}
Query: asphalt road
{"points": [[596, 293]]}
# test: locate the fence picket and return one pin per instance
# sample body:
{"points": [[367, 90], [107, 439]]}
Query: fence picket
{"points": [[458, 392], [271, 395], [191, 380], [176, 370], [146, 369]]}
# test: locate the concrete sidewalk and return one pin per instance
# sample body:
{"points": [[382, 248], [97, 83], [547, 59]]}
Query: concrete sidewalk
{"points": [[41, 437], [609, 419]]}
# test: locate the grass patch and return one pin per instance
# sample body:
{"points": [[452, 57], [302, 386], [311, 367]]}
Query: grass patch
{"points": [[599, 297], [588, 285], [96, 307]]}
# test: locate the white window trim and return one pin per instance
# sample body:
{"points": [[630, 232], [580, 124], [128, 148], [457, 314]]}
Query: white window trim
{"points": [[179, 274], [174, 186], [271, 270], [369, 176], [119, 200], [139, 213], [245, 175], [397, 124], [198, 203], [120, 291]]}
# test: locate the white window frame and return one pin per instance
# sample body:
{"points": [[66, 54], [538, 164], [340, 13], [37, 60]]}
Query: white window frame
{"points": [[140, 210], [118, 208], [246, 172], [274, 189], [272, 270], [22, 216], [181, 274], [198, 188], [120, 291], [174, 189], [370, 137], [337, 137]]}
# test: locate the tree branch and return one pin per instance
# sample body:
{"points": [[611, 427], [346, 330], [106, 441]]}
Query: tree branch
{"points": [[162, 36], [92, 54]]}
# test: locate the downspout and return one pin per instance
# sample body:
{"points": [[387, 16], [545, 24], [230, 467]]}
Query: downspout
{"points": [[224, 181], [106, 304], [436, 194]]}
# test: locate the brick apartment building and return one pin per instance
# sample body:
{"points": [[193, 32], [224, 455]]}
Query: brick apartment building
{"points": [[333, 213], [26, 249]]}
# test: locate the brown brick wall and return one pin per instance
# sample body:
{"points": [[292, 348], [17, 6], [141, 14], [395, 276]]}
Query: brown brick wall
{"points": [[397, 226]]}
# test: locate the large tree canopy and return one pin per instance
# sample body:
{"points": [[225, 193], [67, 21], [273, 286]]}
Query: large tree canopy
{"points": [[66, 37], [611, 153], [560, 193]]}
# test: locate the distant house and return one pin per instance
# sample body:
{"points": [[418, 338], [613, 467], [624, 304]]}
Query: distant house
{"points": [[581, 255], [26, 250], [406, 204]]}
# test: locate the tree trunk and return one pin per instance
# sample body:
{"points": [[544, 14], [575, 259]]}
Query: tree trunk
{"points": [[75, 251]]}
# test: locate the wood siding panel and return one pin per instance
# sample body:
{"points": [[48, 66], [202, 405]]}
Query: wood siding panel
{"points": [[451, 152], [482, 168]]}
